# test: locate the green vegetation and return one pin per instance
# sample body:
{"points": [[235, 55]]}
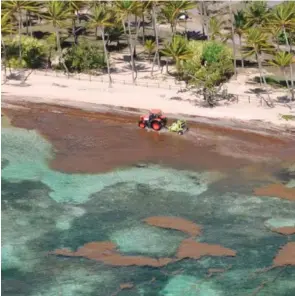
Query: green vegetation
{"points": [[84, 58], [210, 65], [100, 19], [149, 47], [179, 51], [33, 53], [263, 33]]}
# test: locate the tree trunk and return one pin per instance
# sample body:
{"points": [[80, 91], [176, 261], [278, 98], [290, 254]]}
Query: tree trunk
{"points": [[262, 77], [143, 28], [131, 48], [27, 23], [259, 68], [242, 58], [233, 39], [149, 57], [30, 24], [178, 68], [21, 19], [74, 30], [286, 78], [60, 50], [106, 57], [202, 17], [96, 33], [154, 17], [4, 59], [19, 39], [136, 37], [205, 16], [291, 69], [154, 60], [134, 45]]}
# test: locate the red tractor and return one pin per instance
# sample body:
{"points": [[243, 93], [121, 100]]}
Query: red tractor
{"points": [[155, 120]]}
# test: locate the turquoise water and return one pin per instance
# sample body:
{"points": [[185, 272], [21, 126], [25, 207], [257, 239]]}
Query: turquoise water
{"points": [[43, 210]]}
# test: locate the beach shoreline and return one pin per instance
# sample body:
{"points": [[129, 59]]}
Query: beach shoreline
{"points": [[93, 94], [258, 127]]}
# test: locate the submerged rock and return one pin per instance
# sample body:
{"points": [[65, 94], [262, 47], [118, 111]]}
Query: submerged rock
{"points": [[125, 286]]}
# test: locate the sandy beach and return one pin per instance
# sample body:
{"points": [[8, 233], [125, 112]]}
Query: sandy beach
{"points": [[161, 92]]}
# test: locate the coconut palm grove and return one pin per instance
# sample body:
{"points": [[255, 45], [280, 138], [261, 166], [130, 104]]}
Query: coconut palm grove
{"points": [[100, 200], [81, 36]]}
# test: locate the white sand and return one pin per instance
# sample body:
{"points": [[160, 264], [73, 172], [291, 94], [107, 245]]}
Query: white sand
{"points": [[61, 90]]}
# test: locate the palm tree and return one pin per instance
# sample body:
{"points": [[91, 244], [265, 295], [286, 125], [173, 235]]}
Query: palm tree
{"points": [[149, 47], [275, 34], [145, 8], [283, 17], [167, 14], [155, 28], [256, 14], [256, 44], [18, 7], [171, 10], [114, 33], [283, 60], [6, 28], [202, 7], [100, 19], [178, 50], [239, 28], [215, 27], [74, 7], [233, 37], [57, 13], [34, 8], [124, 10]]}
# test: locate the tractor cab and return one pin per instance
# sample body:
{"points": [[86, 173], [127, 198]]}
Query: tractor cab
{"points": [[154, 119]]}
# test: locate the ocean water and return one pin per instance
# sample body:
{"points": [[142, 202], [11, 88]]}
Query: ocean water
{"points": [[44, 210]]}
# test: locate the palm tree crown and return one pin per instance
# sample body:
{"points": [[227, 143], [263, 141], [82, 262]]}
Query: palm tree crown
{"points": [[100, 17], [239, 22], [256, 42], [256, 14], [282, 59], [57, 12], [283, 15]]}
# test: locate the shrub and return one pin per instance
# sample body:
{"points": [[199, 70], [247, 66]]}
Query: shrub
{"points": [[211, 63], [212, 52], [84, 57], [33, 52]]}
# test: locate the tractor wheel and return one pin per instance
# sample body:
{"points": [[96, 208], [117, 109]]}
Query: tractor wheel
{"points": [[156, 125], [141, 124], [180, 133]]}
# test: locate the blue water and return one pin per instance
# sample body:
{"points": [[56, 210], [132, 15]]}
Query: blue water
{"points": [[43, 210]]}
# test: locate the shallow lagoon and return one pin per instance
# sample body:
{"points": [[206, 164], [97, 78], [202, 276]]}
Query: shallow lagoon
{"points": [[44, 210]]}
